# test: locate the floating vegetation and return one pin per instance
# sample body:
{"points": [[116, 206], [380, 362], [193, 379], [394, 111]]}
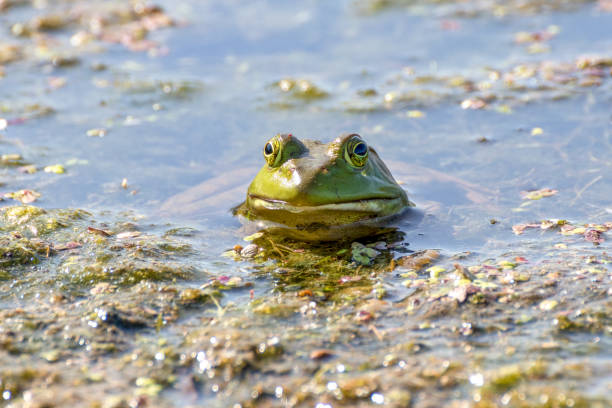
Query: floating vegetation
{"points": [[85, 255], [501, 90], [591, 232], [300, 88], [296, 91], [496, 8], [12, 159], [9, 53], [170, 89], [538, 194], [84, 22]]}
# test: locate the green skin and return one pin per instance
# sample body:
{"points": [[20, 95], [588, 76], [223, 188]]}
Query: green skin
{"points": [[315, 191]]}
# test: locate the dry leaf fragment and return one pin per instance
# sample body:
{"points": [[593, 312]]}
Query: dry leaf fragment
{"points": [[68, 245], [102, 287], [473, 103], [28, 169], [363, 316], [594, 236], [572, 230], [128, 234], [520, 228], [320, 354], [537, 194], [347, 279], [305, 293], [96, 132], [459, 293], [418, 259], [546, 224], [56, 168], [98, 231], [56, 82], [11, 158], [415, 114], [25, 196]]}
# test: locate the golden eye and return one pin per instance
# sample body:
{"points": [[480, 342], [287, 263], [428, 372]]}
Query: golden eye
{"points": [[356, 152], [272, 151]]}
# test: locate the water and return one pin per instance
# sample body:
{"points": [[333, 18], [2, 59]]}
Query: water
{"points": [[200, 104]]}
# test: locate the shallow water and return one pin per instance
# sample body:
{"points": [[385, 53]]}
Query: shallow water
{"points": [[448, 86]]}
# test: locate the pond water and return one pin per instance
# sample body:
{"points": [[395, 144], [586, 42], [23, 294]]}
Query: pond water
{"points": [[494, 115]]}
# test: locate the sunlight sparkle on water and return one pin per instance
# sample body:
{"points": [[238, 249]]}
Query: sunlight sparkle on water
{"points": [[477, 379], [378, 398]]}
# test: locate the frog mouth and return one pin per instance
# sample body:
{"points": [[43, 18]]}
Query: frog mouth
{"points": [[378, 205]]}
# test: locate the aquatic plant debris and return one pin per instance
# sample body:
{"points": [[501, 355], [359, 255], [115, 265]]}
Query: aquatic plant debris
{"points": [[501, 90], [363, 255], [536, 131], [538, 194], [55, 168], [495, 8], [97, 132], [590, 232], [25, 196], [470, 285], [149, 319]]}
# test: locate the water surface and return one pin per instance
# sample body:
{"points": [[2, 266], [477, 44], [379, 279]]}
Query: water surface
{"points": [[504, 97]]}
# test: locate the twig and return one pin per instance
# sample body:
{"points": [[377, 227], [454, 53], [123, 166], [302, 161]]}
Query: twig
{"points": [[276, 249], [219, 307], [377, 333], [286, 248], [589, 184]]}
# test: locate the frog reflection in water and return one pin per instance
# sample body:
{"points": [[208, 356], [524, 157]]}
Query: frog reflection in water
{"points": [[314, 191]]}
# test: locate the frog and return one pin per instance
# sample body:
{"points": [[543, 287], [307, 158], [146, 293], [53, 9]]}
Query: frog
{"points": [[314, 191]]}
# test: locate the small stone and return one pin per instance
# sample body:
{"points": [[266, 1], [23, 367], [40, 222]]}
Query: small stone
{"points": [[249, 251], [548, 304]]}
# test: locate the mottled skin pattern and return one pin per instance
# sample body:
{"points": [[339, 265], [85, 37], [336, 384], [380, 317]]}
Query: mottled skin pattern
{"points": [[319, 191]]}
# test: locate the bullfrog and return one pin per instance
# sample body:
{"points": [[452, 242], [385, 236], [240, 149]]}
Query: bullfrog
{"points": [[314, 191]]}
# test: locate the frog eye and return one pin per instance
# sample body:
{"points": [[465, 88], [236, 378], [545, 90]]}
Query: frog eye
{"points": [[356, 152], [271, 151]]}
